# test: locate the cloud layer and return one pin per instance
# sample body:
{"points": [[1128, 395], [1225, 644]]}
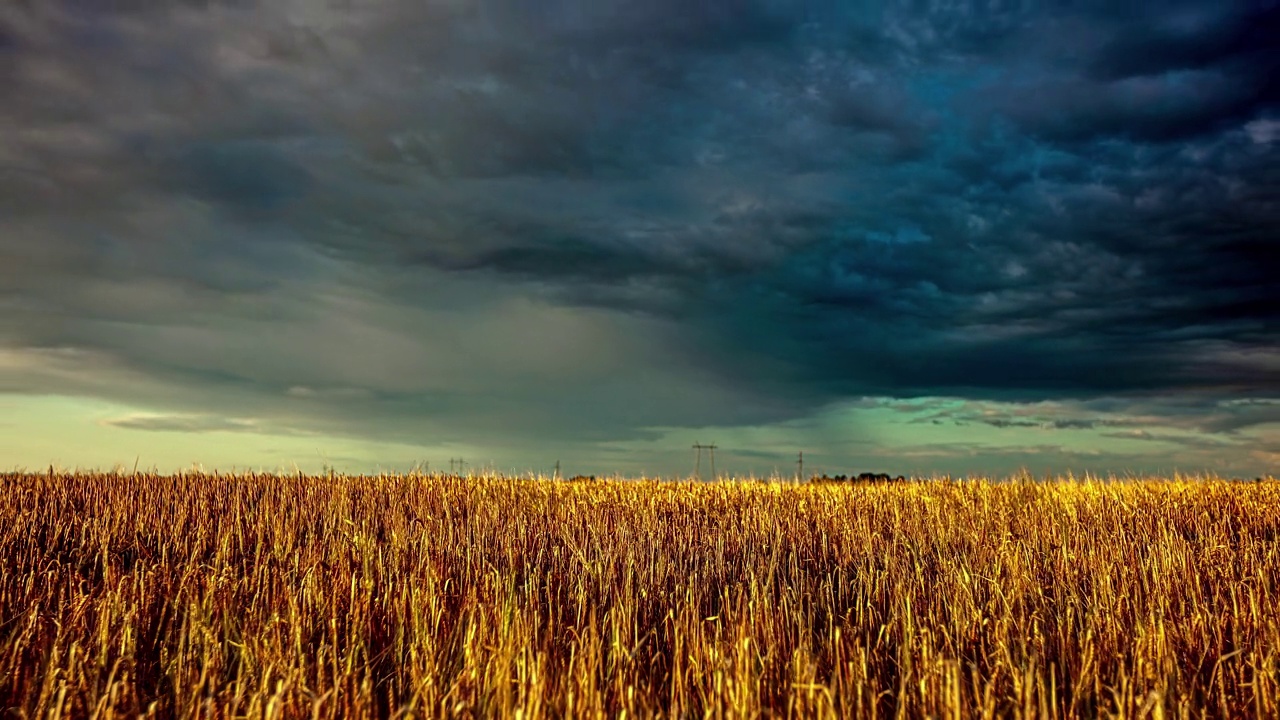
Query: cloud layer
{"points": [[486, 219]]}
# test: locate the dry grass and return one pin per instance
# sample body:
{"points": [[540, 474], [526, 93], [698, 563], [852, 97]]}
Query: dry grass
{"points": [[333, 597]]}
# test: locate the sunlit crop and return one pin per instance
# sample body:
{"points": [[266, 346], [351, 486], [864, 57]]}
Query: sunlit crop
{"points": [[206, 595]]}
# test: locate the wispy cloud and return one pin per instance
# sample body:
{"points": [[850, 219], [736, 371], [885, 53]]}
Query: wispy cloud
{"points": [[198, 424]]}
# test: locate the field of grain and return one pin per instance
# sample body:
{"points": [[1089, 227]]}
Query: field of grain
{"points": [[207, 595]]}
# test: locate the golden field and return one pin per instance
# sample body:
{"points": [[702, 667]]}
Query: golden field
{"points": [[205, 595]]}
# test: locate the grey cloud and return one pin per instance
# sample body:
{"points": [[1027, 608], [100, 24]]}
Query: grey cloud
{"points": [[246, 175], [1180, 440], [1204, 415], [798, 201]]}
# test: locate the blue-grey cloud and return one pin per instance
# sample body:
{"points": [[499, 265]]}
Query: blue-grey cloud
{"points": [[803, 201], [252, 176]]}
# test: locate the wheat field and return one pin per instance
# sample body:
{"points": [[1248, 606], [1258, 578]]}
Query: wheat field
{"points": [[252, 595]]}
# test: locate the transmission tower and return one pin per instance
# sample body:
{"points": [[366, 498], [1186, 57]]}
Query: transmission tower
{"points": [[697, 463]]}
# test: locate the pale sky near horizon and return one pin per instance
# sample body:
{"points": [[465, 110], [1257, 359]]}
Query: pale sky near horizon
{"points": [[918, 238]]}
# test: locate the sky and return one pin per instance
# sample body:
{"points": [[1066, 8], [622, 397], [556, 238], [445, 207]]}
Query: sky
{"points": [[912, 237]]}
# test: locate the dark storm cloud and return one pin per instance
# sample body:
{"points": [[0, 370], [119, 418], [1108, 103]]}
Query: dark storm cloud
{"points": [[1190, 38], [251, 176], [1115, 71], [771, 205], [1147, 108]]}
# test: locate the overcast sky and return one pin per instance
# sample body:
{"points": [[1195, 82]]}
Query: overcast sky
{"points": [[915, 237]]}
